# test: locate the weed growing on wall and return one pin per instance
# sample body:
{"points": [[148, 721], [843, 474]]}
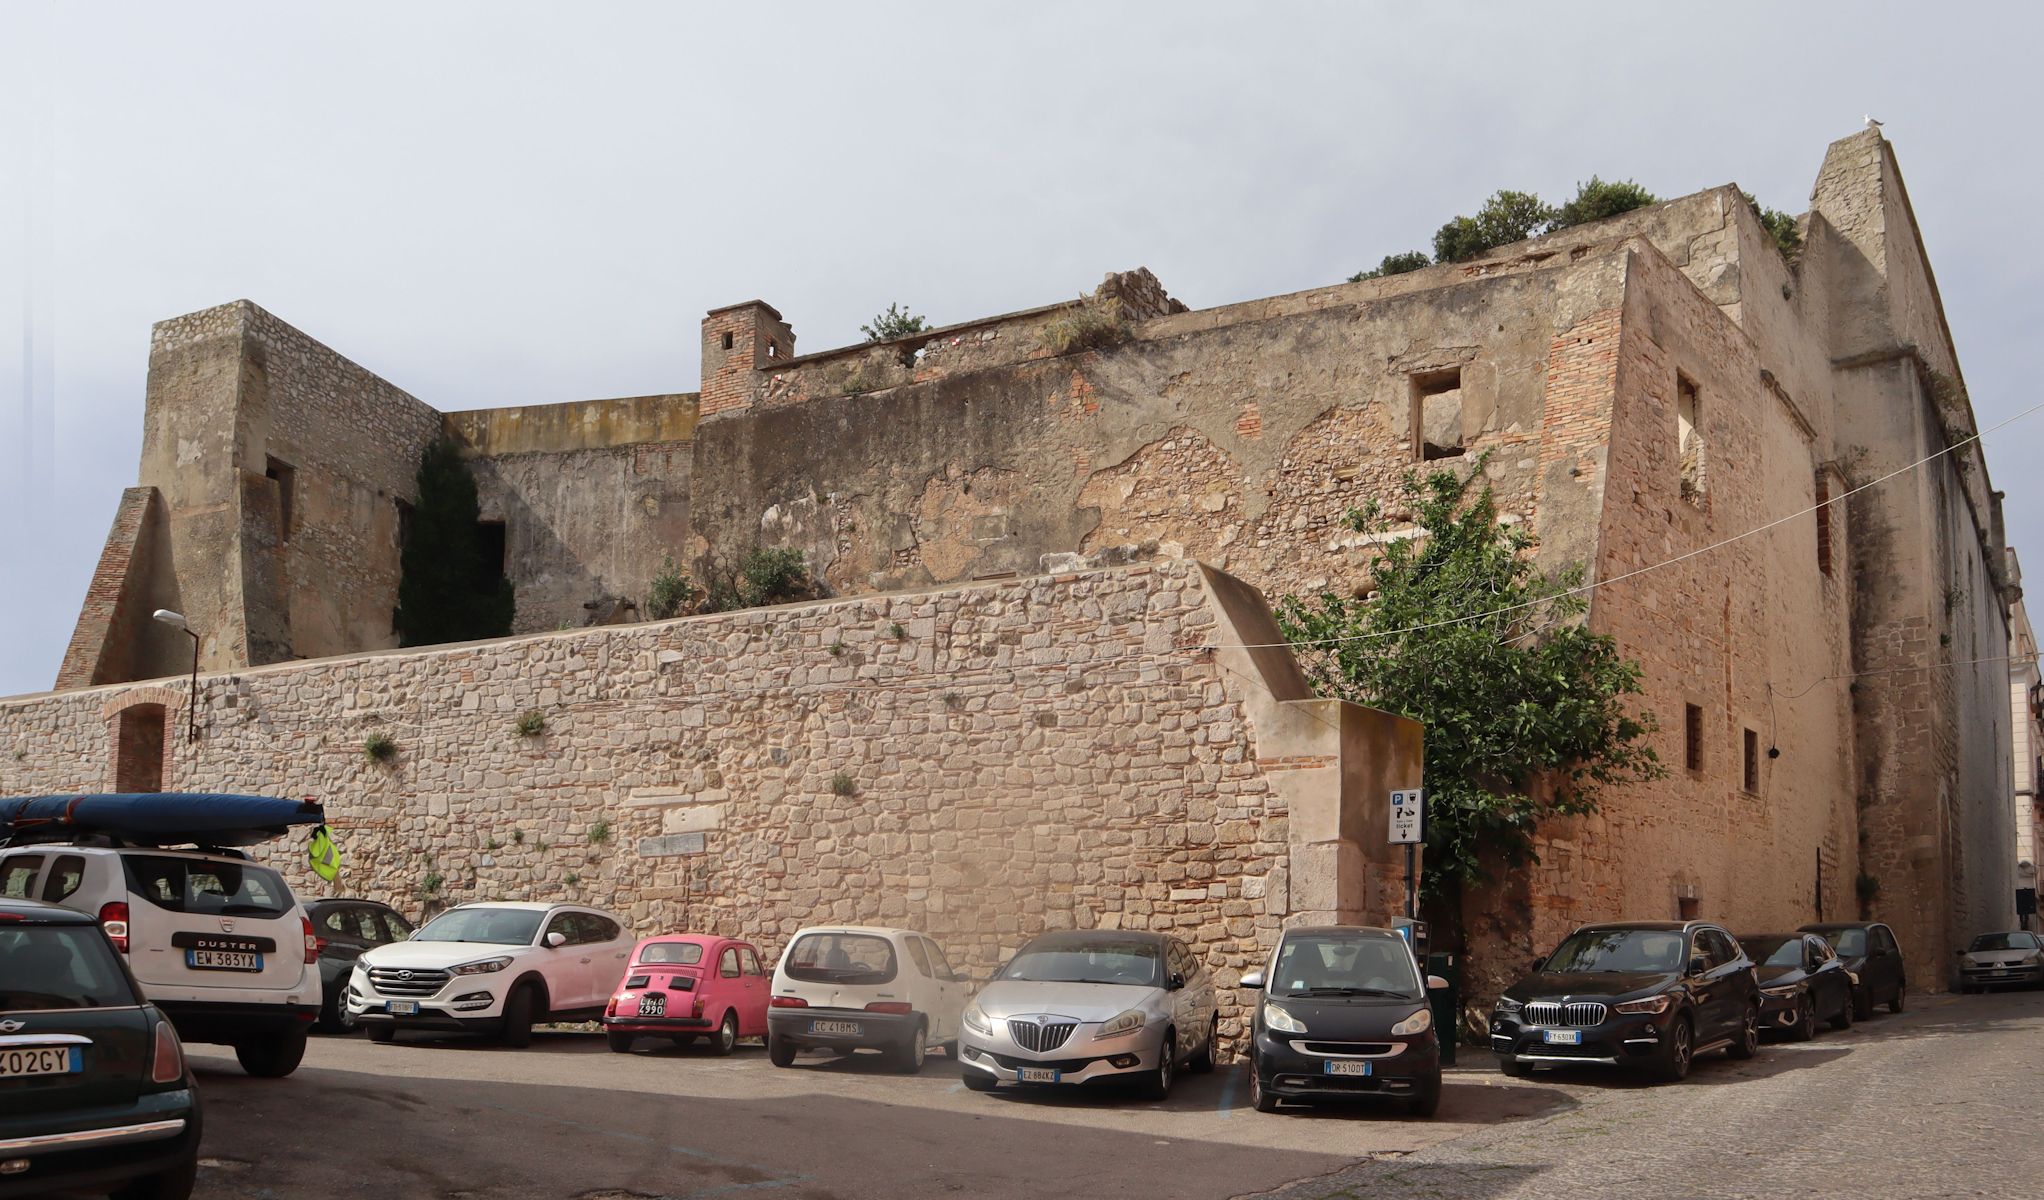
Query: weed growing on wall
{"points": [[1094, 323], [842, 784], [768, 575], [531, 723], [447, 590], [896, 322], [671, 593], [380, 747], [599, 833], [1525, 710]]}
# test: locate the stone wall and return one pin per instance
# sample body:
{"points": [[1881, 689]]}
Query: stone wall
{"points": [[984, 764]]}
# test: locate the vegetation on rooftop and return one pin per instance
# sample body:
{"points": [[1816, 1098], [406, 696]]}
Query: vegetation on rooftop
{"points": [[896, 322]]}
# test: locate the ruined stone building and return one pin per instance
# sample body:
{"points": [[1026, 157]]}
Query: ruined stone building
{"points": [[1646, 386], [2026, 762]]}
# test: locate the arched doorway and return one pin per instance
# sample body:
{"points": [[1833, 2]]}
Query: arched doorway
{"points": [[138, 748]]}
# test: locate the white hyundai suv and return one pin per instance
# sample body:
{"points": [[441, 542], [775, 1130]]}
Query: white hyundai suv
{"points": [[218, 942], [492, 968]]}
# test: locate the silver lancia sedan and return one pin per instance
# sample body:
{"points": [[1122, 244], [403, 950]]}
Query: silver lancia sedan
{"points": [[1080, 1007]]}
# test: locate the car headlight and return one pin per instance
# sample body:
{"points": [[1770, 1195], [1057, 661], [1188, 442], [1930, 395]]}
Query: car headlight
{"points": [[1508, 1006], [1127, 1022], [976, 1019], [484, 967], [1652, 1004], [1281, 1020], [1420, 1021], [1786, 989]]}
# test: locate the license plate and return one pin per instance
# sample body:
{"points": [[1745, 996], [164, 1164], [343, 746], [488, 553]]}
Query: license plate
{"points": [[1346, 1067], [40, 1060], [1562, 1037], [842, 1028], [1037, 1075], [654, 1005], [404, 1008], [223, 960]]}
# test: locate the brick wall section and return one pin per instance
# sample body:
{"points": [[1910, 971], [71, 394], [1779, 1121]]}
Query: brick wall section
{"points": [[1034, 754], [99, 650]]}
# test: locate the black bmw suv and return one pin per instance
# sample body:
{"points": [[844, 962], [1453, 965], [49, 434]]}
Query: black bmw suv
{"points": [[1649, 994], [94, 1093]]}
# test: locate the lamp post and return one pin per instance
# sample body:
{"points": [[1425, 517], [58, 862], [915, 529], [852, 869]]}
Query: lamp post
{"points": [[177, 621]]}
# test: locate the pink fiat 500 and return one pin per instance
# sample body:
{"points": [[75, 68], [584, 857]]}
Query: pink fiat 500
{"points": [[689, 985]]}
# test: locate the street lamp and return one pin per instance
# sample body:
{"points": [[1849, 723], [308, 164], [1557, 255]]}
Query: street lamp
{"points": [[177, 621]]}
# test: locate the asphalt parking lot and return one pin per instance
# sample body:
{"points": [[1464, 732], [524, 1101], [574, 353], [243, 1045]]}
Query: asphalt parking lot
{"points": [[567, 1118]]}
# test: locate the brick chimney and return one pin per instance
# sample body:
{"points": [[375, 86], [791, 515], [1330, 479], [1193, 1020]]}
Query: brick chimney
{"points": [[740, 341]]}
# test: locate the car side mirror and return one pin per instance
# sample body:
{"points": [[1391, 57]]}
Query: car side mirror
{"points": [[556, 940], [1253, 981], [1177, 982], [1436, 984], [1698, 966]]}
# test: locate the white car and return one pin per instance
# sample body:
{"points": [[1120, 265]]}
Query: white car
{"points": [[492, 968], [851, 987], [217, 942]]}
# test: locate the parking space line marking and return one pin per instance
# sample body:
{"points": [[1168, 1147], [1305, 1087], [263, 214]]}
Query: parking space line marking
{"points": [[1228, 1091]]}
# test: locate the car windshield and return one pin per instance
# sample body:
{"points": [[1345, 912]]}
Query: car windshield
{"points": [[1066, 958], [1774, 951], [1848, 942], [1338, 964], [685, 954], [61, 966], [1600, 951], [207, 886], [853, 958], [495, 926], [2004, 941]]}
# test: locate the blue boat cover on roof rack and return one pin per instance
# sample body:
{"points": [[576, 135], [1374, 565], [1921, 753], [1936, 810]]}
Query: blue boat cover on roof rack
{"points": [[155, 818]]}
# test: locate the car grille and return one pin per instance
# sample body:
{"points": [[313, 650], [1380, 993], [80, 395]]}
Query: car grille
{"points": [[1581, 1012], [1375, 1048], [407, 981], [1040, 1039]]}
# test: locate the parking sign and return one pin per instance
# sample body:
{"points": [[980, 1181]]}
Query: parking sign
{"points": [[1408, 817]]}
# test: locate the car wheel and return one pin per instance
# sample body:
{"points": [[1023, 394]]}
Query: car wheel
{"points": [[273, 1057], [780, 1051], [620, 1041], [1673, 1064], [1158, 1085], [1513, 1067], [980, 1081], [1806, 1021], [518, 1014], [1203, 1061], [1842, 1019], [909, 1056], [1747, 1043], [725, 1040], [382, 1033], [1425, 1101], [1895, 1002], [1260, 1097]]}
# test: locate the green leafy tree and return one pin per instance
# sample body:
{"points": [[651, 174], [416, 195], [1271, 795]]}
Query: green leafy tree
{"points": [[896, 322], [1394, 264], [1781, 226], [446, 591], [768, 575], [1597, 200], [1505, 218], [1525, 708]]}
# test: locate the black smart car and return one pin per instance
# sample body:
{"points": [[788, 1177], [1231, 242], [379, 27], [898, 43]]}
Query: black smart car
{"points": [[1344, 1013], [348, 929], [1649, 994], [94, 1093], [1802, 982], [1869, 950]]}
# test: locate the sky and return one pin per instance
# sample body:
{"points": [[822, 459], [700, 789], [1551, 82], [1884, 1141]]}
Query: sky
{"points": [[503, 203]]}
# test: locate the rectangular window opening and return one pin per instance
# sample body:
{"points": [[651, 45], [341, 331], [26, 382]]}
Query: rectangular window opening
{"points": [[1689, 445], [730, 340], [1752, 777], [1823, 524], [1688, 907], [1692, 737], [490, 560], [1437, 415], [285, 476]]}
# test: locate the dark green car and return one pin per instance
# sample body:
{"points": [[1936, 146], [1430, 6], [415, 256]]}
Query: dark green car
{"points": [[94, 1091]]}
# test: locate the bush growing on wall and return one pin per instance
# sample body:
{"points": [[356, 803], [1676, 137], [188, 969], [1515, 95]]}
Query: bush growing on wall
{"points": [[446, 592], [896, 322], [768, 575], [671, 593], [1505, 218], [1095, 323], [1597, 200], [1394, 264]]}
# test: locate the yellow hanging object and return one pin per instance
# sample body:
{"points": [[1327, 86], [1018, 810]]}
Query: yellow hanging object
{"points": [[323, 854]]}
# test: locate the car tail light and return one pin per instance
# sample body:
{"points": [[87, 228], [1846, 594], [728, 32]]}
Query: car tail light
{"points": [[167, 1064], [312, 940], [787, 1002], [114, 919], [610, 1010], [899, 1008]]}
